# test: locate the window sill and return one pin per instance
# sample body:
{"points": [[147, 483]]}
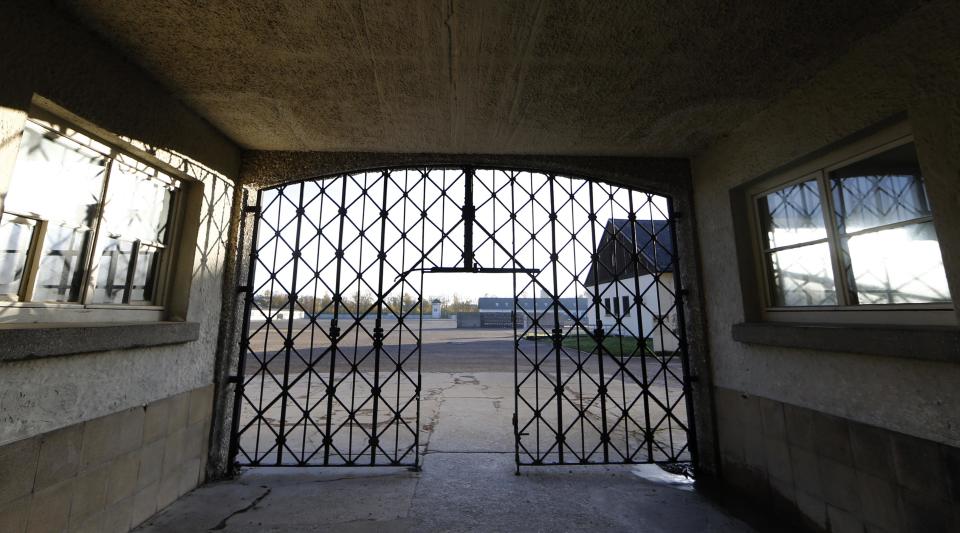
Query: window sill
{"points": [[32, 341], [931, 343]]}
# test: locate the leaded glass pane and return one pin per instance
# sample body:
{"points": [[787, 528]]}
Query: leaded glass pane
{"points": [[884, 189], [137, 210], [148, 260], [60, 275], [898, 265], [792, 215], [15, 235], [802, 276], [59, 178], [138, 202], [112, 274], [56, 179]]}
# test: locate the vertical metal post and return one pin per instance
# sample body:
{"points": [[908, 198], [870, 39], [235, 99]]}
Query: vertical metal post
{"points": [[469, 213], [516, 336], [245, 325], [334, 324], [598, 333], [537, 414], [682, 328], [555, 302], [638, 300], [288, 341], [311, 365], [423, 244], [378, 327]]}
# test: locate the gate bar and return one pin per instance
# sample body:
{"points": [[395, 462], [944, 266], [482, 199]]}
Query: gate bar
{"points": [[598, 332], [378, 324], [557, 332], [483, 270], [334, 329], [516, 337], [245, 326], [680, 292], [638, 302], [469, 214]]}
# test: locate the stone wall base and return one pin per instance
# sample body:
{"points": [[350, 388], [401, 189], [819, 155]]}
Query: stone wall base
{"points": [[108, 474], [836, 474]]}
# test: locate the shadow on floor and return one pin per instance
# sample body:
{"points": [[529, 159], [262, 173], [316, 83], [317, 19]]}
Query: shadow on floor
{"points": [[466, 483]]}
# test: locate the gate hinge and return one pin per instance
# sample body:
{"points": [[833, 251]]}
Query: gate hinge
{"points": [[254, 209], [233, 379], [243, 288]]}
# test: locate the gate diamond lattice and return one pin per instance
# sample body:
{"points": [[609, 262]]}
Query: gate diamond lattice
{"points": [[329, 368]]}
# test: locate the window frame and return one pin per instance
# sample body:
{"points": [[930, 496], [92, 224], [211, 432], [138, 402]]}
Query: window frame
{"points": [[844, 311], [21, 310]]}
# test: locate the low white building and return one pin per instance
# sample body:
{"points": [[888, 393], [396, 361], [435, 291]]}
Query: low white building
{"points": [[636, 296], [257, 315], [496, 312]]}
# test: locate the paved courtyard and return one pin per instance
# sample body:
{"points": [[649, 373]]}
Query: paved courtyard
{"points": [[467, 483], [467, 480], [450, 357]]}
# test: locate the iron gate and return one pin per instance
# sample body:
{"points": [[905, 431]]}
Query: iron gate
{"points": [[329, 370]]}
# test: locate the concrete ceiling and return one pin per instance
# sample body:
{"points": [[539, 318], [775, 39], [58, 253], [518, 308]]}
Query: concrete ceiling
{"points": [[641, 78]]}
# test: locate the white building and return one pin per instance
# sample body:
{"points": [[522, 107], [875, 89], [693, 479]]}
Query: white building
{"points": [[257, 315], [495, 311], [636, 297]]}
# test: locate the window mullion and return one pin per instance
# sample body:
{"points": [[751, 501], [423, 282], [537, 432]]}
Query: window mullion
{"points": [[794, 246], [93, 263], [34, 254], [894, 225], [834, 242], [131, 270]]}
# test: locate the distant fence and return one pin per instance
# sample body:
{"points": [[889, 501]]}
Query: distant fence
{"points": [[469, 320], [258, 316], [484, 320], [505, 320]]}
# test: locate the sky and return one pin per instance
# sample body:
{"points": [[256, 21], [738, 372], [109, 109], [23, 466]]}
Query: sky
{"points": [[407, 231]]}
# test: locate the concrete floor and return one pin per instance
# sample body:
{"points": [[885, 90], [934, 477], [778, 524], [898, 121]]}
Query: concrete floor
{"points": [[467, 483]]}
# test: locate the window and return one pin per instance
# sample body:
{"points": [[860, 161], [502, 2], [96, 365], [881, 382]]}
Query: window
{"points": [[83, 223], [606, 306], [851, 234], [626, 305], [616, 307]]}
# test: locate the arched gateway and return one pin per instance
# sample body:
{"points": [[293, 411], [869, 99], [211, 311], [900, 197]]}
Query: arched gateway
{"points": [[330, 358]]}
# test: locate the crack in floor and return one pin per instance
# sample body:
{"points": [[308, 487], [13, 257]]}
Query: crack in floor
{"points": [[354, 478], [440, 397], [223, 523]]}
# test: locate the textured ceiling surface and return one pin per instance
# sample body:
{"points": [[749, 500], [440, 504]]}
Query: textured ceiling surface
{"points": [[642, 78]]}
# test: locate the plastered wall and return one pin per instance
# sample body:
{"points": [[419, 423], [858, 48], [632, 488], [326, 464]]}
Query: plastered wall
{"points": [[912, 67], [45, 52], [42, 53]]}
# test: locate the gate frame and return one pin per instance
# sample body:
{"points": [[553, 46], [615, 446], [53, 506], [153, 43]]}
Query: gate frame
{"points": [[669, 177]]}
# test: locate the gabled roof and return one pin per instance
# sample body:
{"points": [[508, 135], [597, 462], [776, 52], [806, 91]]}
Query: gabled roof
{"points": [[616, 247]]}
